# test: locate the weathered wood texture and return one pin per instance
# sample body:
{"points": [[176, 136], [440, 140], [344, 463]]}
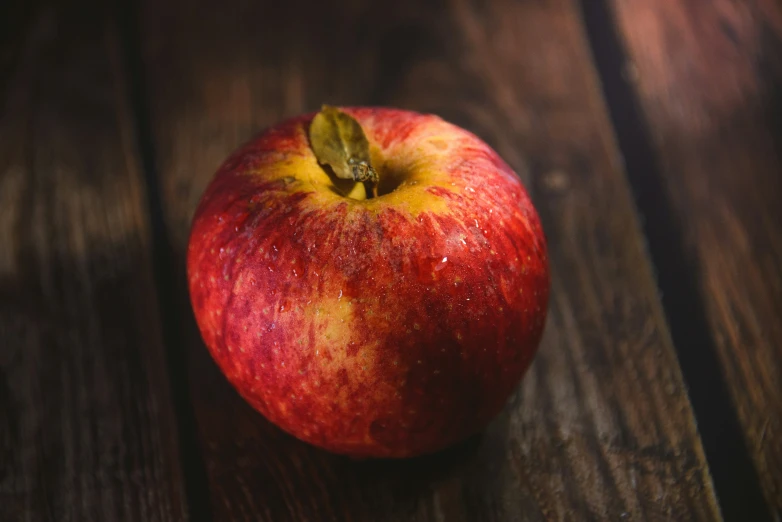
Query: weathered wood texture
{"points": [[86, 423], [601, 427], [709, 76]]}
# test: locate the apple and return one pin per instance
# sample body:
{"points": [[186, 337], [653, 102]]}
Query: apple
{"points": [[373, 320]]}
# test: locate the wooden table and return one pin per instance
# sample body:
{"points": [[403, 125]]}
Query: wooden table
{"points": [[648, 133]]}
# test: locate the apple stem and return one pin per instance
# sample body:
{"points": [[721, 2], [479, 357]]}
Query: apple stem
{"points": [[370, 188], [364, 172]]}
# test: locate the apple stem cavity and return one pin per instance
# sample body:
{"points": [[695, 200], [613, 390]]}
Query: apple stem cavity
{"points": [[339, 142]]}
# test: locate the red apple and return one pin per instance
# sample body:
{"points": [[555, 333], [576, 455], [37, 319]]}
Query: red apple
{"points": [[384, 327]]}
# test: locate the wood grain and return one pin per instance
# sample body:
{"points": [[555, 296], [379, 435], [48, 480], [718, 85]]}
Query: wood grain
{"points": [[708, 77], [601, 428], [86, 423]]}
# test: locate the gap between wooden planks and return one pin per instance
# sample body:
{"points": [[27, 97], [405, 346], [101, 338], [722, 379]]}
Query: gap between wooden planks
{"points": [[708, 77]]}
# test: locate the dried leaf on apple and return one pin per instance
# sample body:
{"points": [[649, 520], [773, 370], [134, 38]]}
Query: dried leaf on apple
{"points": [[338, 141]]}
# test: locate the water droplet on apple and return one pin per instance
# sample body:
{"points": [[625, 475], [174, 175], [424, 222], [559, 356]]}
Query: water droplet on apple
{"points": [[441, 264]]}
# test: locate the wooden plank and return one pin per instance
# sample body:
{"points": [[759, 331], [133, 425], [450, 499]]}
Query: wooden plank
{"points": [[601, 427], [87, 430], [708, 77]]}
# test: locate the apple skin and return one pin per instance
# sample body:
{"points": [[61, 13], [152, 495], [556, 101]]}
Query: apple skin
{"points": [[389, 327]]}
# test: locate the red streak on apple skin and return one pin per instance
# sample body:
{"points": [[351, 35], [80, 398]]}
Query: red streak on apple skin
{"points": [[370, 331]]}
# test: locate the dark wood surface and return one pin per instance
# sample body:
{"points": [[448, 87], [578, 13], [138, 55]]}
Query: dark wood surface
{"points": [[715, 118], [87, 429], [601, 424], [114, 121]]}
